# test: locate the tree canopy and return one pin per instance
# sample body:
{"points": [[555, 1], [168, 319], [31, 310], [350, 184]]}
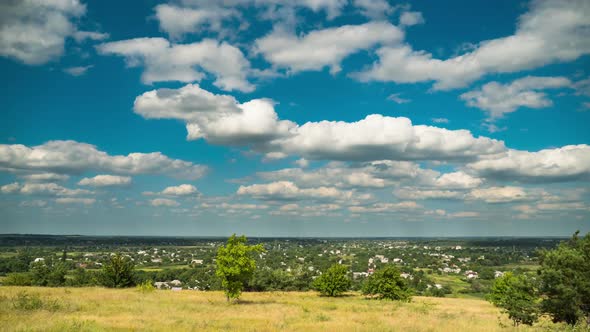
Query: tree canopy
{"points": [[334, 281], [386, 283], [565, 280], [235, 265]]}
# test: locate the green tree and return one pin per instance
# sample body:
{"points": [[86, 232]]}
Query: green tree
{"points": [[565, 280], [235, 265], [334, 281], [386, 283], [48, 273], [117, 272], [517, 296]]}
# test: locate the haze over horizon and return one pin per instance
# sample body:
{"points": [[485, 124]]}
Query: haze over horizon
{"points": [[323, 118]]}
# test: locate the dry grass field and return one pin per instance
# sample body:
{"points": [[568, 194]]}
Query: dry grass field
{"points": [[99, 309]]}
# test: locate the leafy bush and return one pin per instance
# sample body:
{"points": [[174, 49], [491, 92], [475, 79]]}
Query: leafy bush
{"points": [[333, 282], [26, 301], [516, 294], [18, 279], [146, 287], [386, 283], [118, 272], [565, 280]]}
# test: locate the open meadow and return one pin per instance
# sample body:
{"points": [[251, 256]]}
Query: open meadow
{"points": [[98, 309]]}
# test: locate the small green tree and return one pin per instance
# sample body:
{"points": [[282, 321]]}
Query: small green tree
{"points": [[517, 296], [48, 273], [386, 283], [565, 280], [117, 272], [235, 265], [333, 282]]}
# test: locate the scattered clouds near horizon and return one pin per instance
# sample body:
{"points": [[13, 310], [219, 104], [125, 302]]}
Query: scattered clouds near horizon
{"points": [[106, 181], [71, 157]]}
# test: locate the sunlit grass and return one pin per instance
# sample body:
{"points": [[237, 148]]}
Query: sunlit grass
{"points": [[98, 309]]}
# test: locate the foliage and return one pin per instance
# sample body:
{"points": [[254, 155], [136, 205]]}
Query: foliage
{"points": [[386, 283], [26, 301], [18, 279], [146, 287], [118, 272], [272, 280], [81, 277], [565, 280], [235, 266], [516, 294], [48, 273], [334, 281]]}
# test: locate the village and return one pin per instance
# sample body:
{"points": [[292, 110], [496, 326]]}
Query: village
{"points": [[443, 267]]}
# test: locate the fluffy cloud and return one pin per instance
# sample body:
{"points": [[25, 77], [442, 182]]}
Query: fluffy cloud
{"points": [[376, 9], [177, 21], [71, 157], [106, 181], [411, 18], [71, 200], [44, 189], [499, 194], [381, 137], [551, 31], [568, 163], [164, 61], [221, 119], [181, 190], [457, 180], [34, 32], [498, 99], [164, 202], [286, 190], [324, 48]]}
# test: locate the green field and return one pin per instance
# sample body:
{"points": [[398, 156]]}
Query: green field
{"points": [[99, 309]]}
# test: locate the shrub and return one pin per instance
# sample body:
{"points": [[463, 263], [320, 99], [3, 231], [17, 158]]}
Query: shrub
{"points": [[18, 279], [565, 281], [26, 301], [517, 296], [333, 282], [386, 283], [118, 272], [146, 287]]}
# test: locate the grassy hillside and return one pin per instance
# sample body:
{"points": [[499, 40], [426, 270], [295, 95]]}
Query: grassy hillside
{"points": [[97, 309]]}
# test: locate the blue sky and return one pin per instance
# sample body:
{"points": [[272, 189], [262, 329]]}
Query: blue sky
{"points": [[299, 118]]}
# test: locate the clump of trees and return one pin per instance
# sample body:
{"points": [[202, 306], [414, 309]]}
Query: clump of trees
{"points": [[333, 282], [235, 265], [118, 272], [565, 281], [386, 283], [518, 297], [560, 289]]}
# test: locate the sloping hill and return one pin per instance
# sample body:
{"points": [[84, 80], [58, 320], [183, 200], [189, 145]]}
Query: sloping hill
{"points": [[97, 309]]}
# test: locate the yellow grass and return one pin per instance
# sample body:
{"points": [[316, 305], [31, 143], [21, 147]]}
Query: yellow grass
{"points": [[98, 309]]}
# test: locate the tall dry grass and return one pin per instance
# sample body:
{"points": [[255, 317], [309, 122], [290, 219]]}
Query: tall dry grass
{"points": [[99, 309]]}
